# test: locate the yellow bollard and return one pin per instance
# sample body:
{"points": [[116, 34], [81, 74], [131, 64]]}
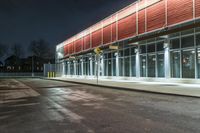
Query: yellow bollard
{"points": [[48, 74], [52, 74]]}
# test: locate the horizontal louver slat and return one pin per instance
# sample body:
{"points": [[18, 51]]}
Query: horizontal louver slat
{"points": [[141, 21], [179, 11], [197, 8], [78, 45], [107, 35], [66, 50], [96, 38], [156, 16], [86, 42], [127, 27], [114, 35]]}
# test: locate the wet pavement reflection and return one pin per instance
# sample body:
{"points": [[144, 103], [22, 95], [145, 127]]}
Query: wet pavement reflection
{"points": [[43, 106]]}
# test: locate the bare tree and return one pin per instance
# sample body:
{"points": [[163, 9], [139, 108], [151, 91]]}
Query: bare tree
{"points": [[41, 48], [17, 50], [3, 49]]}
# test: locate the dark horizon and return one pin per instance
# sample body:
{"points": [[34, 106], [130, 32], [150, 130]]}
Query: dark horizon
{"points": [[54, 21]]}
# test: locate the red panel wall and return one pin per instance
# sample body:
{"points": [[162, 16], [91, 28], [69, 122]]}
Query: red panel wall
{"points": [[141, 21], [96, 38], [66, 50], [107, 34], [197, 8], [179, 10], [156, 16], [114, 35], [78, 45], [86, 42], [71, 48], [127, 27]]}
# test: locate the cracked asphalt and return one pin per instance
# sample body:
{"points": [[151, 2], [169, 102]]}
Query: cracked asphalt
{"points": [[46, 106]]}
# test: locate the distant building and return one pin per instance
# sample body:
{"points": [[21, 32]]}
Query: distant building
{"points": [[1, 64], [14, 64]]}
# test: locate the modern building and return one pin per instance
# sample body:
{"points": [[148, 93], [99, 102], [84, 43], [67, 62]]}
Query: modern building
{"points": [[149, 39]]}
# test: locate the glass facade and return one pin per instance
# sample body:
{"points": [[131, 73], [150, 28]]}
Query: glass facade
{"points": [[184, 58]]}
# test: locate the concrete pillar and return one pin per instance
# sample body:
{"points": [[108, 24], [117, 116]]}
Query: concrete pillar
{"points": [[117, 63], [167, 58], [137, 51], [63, 68], [91, 66]]}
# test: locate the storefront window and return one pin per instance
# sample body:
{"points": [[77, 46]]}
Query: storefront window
{"points": [[175, 64], [198, 39], [175, 43], [143, 49], [121, 66], [109, 67], [151, 48], [151, 65], [187, 41], [71, 68], [133, 66], [160, 46], [93, 67], [198, 62], [114, 66], [105, 67], [66, 68], [188, 64], [127, 66], [160, 65], [143, 65]]}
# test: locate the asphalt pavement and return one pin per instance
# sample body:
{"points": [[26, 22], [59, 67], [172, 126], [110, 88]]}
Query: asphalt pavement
{"points": [[45, 106]]}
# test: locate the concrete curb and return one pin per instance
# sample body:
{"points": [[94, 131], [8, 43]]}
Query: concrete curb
{"points": [[123, 88]]}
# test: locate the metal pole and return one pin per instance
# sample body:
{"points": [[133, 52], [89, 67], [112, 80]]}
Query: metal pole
{"points": [[97, 71], [32, 67]]}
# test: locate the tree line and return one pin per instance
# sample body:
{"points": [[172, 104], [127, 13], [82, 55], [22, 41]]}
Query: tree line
{"points": [[40, 48]]}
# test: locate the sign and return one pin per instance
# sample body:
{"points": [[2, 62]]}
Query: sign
{"points": [[97, 50], [113, 47]]}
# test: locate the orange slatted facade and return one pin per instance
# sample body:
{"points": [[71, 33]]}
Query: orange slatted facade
{"points": [[197, 8], [114, 32], [78, 45], [66, 50], [151, 15], [141, 21], [156, 16], [127, 27], [71, 48], [86, 42], [141, 17], [107, 34], [97, 38], [179, 11]]}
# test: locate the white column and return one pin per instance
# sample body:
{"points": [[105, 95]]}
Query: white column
{"points": [[91, 67], [63, 68], [117, 63], [167, 58], [137, 51], [75, 67]]}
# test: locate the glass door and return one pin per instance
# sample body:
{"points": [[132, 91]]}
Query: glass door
{"points": [[151, 65]]}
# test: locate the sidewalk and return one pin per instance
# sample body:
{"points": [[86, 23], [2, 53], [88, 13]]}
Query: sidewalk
{"points": [[191, 90]]}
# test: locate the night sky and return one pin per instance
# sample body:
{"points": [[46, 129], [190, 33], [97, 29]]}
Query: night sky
{"points": [[22, 21]]}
